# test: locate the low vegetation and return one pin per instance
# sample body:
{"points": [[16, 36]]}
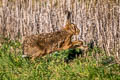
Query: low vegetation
{"points": [[63, 65]]}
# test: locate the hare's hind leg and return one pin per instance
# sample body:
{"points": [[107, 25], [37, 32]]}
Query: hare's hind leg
{"points": [[34, 52], [37, 54]]}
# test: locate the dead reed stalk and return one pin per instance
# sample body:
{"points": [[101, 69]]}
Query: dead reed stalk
{"points": [[98, 20]]}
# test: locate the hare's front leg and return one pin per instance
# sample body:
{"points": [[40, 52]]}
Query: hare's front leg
{"points": [[79, 45], [67, 44], [75, 43], [66, 47], [83, 47]]}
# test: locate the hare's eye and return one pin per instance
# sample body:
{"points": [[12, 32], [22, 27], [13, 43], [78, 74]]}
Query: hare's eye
{"points": [[73, 25]]}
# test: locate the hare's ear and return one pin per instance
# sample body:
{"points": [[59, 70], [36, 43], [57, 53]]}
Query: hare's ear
{"points": [[68, 17]]}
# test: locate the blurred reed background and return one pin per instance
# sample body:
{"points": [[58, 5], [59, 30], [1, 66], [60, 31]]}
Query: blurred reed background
{"points": [[98, 20]]}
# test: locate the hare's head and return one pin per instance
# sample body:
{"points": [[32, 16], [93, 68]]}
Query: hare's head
{"points": [[72, 28]]}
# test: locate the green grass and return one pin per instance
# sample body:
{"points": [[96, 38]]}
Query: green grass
{"points": [[54, 67]]}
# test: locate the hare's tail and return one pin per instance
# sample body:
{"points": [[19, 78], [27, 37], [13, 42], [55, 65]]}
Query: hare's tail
{"points": [[24, 56]]}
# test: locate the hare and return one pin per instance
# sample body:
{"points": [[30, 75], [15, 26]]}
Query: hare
{"points": [[46, 43]]}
